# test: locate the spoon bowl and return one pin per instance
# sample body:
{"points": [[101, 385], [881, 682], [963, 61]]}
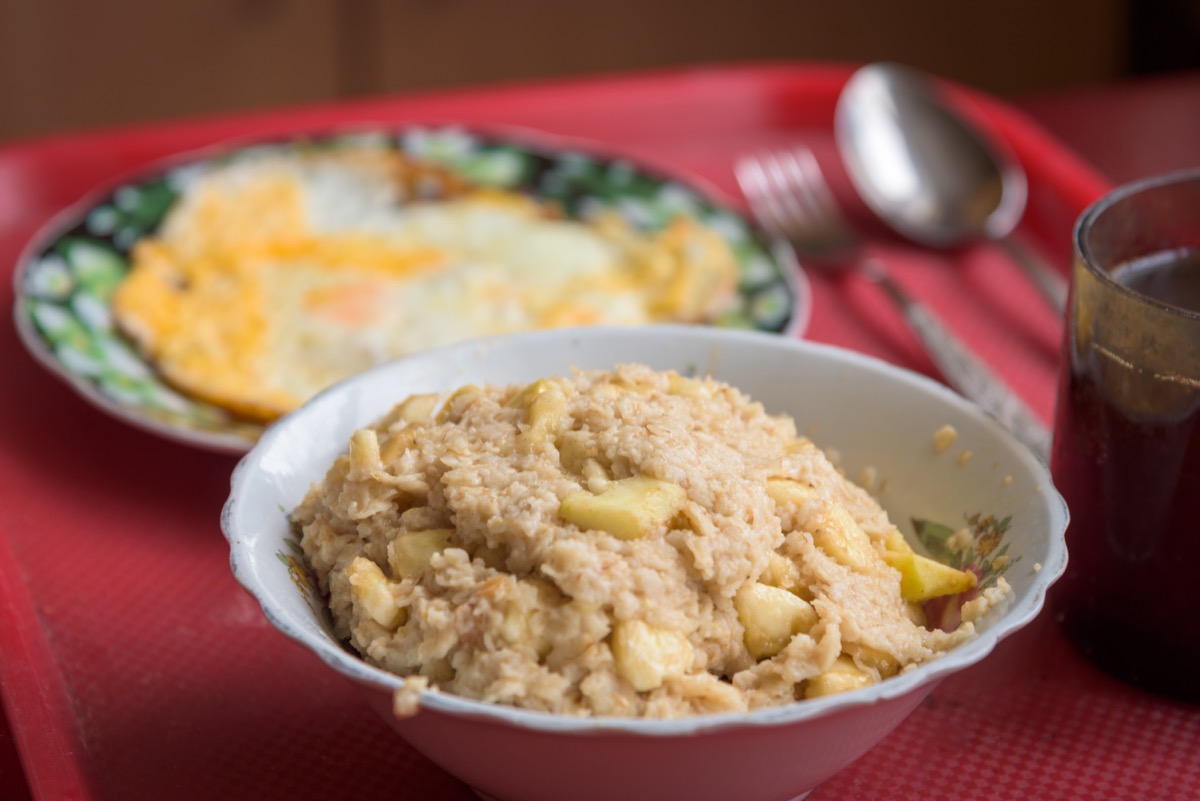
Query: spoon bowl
{"points": [[924, 170]]}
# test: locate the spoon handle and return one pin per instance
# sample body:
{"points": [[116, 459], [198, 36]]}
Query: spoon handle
{"points": [[962, 369], [1052, 285]]}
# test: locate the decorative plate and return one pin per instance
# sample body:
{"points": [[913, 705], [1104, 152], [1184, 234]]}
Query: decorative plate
{"points": [[66, 276]]}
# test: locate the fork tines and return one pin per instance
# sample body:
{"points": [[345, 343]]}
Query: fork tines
{"points": [[788, 194]]}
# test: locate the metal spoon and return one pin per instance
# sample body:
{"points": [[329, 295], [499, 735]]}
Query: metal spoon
{"points": [[927, 172], [788, 194]]}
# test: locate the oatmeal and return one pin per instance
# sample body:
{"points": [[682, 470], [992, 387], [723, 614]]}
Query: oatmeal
{"points": [[943, 438], [628, 542]]}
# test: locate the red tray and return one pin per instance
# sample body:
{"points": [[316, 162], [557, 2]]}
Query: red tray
{"points": [[133, 667]]}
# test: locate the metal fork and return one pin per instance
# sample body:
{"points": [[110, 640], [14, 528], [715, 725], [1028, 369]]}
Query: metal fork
{"points": [[789, 195]]}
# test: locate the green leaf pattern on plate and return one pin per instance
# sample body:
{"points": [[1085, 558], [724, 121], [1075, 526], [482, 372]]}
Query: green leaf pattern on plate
{"points": [[65, 288], [66, 293]]}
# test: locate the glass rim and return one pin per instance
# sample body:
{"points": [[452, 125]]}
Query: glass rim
{"points": [[1092, 213]]}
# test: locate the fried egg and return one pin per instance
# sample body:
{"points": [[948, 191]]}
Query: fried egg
{"points": [[276, 276]]}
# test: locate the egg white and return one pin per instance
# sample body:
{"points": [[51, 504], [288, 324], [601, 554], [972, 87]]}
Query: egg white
{"points": [[277, 276]]}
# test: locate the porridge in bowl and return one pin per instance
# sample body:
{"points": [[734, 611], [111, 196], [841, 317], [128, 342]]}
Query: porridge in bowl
{"points": [[618, 543]]}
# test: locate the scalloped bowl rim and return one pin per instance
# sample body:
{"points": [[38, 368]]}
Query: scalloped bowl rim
{"points": [[1015, 616]]}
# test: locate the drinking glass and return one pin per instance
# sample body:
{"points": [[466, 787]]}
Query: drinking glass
{"points": [[1126, 452]]}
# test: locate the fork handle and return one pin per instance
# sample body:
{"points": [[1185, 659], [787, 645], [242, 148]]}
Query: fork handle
{"points": [[965, 371], [1052, 285]]}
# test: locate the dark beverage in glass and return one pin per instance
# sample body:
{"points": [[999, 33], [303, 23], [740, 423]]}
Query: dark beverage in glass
{"points": [[1127, 437]]}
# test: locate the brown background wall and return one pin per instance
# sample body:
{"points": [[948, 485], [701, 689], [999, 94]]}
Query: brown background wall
{"points": [[68, 64]]}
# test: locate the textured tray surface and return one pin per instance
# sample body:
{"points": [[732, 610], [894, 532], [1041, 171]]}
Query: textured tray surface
{"points": [[134, 667]]}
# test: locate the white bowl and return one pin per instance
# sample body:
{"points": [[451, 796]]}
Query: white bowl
{"points": [[874, 415]]}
